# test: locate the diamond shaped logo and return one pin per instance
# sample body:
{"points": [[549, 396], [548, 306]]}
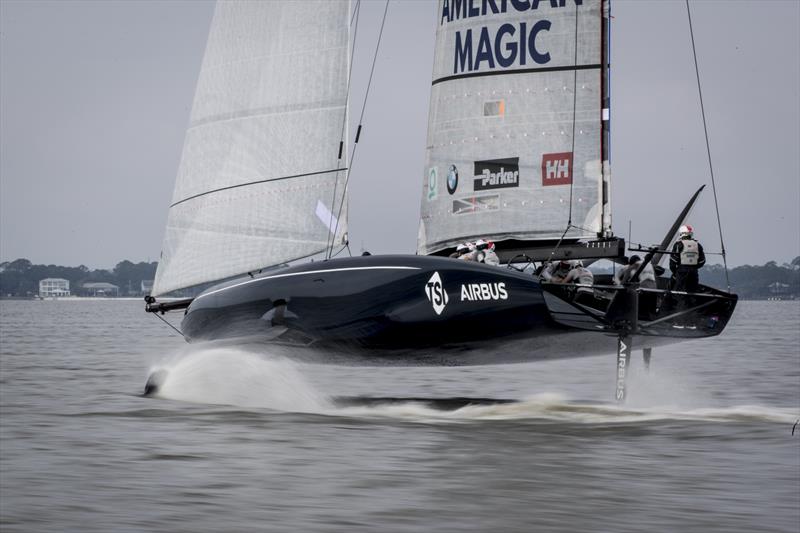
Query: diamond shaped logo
{"points": [[436, 294]]}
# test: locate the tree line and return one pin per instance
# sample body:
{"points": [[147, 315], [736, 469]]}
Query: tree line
{"points": [[750, 282], [20, 278]]}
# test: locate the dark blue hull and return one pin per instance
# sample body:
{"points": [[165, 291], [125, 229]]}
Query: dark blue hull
{"points": [[398, 310], [373, 302]]}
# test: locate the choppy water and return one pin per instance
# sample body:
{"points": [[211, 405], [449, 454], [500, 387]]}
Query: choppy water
{"points": [[238, 441]]}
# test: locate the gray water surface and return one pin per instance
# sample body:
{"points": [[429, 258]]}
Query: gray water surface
{"points": [[238, 441]]}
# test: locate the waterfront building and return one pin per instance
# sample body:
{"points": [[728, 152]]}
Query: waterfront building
{"points": [[53, 287], [100, 289]]}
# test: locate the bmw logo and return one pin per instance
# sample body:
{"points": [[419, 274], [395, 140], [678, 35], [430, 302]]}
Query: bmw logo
{"points": [[452, 179]]}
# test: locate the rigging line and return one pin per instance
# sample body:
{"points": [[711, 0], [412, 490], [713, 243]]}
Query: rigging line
{"points": [[356, 13], [708, 147], [558, 244], [574, 117], [267, 180], [343, 248], [165, 321], [361, 118], [587, 230]]}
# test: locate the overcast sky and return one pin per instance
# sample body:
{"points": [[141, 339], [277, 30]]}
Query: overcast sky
{"points": [[95, 98]]}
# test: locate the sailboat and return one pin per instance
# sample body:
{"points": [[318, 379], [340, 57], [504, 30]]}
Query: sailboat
{"points": [[517, 152]]}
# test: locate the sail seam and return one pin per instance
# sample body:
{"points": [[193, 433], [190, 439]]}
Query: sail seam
{"points": [[256, 183], [517, 71]]}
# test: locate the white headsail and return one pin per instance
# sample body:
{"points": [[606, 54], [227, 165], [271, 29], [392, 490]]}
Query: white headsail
{"points": [[516, 132], [261, 158]]}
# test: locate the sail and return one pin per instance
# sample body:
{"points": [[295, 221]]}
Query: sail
{"points": [[517, 127], [260, 180]]}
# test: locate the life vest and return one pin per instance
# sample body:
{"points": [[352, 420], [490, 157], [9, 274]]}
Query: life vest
{"points": [[690, 253]]}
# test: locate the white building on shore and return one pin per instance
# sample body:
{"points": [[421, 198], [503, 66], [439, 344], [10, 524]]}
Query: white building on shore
{"points": [[101, 288], [53, 287]]}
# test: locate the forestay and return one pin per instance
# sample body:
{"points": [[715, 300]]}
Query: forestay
{"points": [[260, 160], [508, 86]]}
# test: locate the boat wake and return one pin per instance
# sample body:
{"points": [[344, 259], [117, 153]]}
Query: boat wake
{"points": [[556, 408], [241, 379], [227, 376]]}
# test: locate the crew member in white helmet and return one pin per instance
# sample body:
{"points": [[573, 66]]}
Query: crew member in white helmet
{"points": [[579, 274], [556, 271], [480, 250], [461, 249], [647, 278], [472, 253], [686, 259], [582, 276]]}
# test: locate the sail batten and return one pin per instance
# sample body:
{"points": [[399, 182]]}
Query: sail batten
{"points": [[261, 150], [515, 127]]}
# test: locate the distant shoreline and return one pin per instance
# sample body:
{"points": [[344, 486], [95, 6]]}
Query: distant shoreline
{"points": [[128, 280]]}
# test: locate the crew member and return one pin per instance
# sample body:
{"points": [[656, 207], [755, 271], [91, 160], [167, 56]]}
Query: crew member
{"points": [[461, 249], [582, 276], [480, 250], [686, 259], [648, 301], [579, 274], [489, 257], [647, 278], [472, 253], [556, 272], [623, 275]]}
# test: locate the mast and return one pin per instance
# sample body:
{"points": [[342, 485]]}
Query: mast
{"points": [[606, 120]]}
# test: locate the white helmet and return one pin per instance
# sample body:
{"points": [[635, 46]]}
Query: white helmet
{"points": [[480, 244], [686, 231]]}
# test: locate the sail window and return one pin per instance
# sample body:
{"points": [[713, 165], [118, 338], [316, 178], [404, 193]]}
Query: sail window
{"points": [[326, 216]]}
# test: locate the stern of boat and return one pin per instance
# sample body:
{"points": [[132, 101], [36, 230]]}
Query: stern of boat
{"points": [[641, 311]]}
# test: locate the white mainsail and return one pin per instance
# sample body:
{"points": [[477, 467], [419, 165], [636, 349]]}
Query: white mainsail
{"points": [[508, 87], [261, 180]]}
